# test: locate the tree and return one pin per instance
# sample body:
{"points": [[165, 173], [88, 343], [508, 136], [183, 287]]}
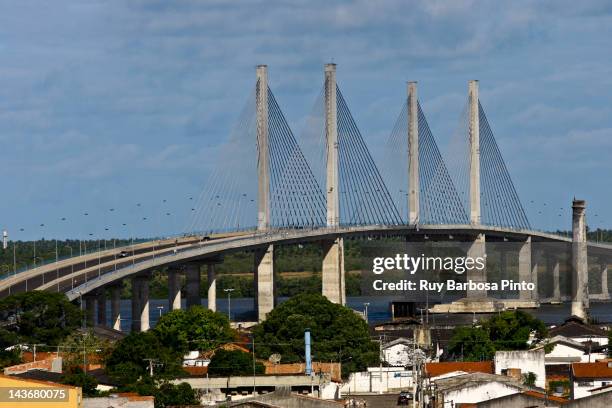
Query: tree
{"points": [[510, 330], [165, 393], [233, 362], [530, 378], [196, 328], [76, 376], [338, 333], [129, 359], [471, 344], [38, 317], [80, 347]]}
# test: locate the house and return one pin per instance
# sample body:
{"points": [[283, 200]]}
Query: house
{"points": [[531, 399], [519, 363], [565, 350], [578, 330], [587, 377], [51, 394], [473, 388], [120, 400], [196, 362], [450, 368], [400, 352]]}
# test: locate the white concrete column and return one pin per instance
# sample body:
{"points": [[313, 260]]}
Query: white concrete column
{"points": [[144, 304], [605, 293], [413, 154], [333, 271], [477, 250], [263, 159], [116, 306], [140, 303], [331, 132], [525, 270], [264, 282], [554, 262], [174, 288], [474, 130], [136, 304], [101, 304], [212, 287], [580, 269], [192, 284]]}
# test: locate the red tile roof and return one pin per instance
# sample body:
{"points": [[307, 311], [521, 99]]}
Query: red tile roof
{"points": [[436, 369], [543, 396], [592, 370]]}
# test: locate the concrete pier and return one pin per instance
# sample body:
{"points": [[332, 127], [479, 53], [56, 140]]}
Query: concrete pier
{"points": [[526, 272], [331, 132], [264, 282], [474, 130], [140, 303], [333, 250], [263, 160], [556, 278], [413, 154], [101, 302], [333, 271], [580, 269], [192, 284], [174, 288], [477, 250], [116, 306], [605, 293], [212, 287]]}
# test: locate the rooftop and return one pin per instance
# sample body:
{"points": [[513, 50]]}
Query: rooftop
{"points": [[576, 327], [436, 369], [600, 369], [471, 379]]}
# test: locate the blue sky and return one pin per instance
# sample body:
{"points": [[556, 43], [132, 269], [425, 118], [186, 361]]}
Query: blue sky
{"points": [[108, 104]]}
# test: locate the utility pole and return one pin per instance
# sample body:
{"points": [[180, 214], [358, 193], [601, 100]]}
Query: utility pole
{"points": [[253, 338], [380, 346], [150, 361]]}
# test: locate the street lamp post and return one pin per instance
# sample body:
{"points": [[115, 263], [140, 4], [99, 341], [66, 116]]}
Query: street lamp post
{"points": [[365, 311], [160, 308], [229, 302], [71, 268]]}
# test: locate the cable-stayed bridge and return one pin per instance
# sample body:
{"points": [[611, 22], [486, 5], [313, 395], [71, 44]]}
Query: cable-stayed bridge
{"points": [[269, 188]]}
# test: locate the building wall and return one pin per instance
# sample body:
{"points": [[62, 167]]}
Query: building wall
{"points": [[74, 396], [397, 355], [563, 351], [526, 360], [516, 401], [370, 381], [581, 389], [477, 393]]}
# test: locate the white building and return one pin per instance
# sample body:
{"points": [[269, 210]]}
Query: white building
{"points": [[378, 379], [399, 352], [588, 378], [473, 388], [524, 360], [567, 351]]}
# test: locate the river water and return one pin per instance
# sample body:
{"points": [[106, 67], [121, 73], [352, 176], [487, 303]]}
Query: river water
{"points": [[242, 309]]}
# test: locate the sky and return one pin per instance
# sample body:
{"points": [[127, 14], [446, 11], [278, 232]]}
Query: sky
{"points": [[110, 104]]}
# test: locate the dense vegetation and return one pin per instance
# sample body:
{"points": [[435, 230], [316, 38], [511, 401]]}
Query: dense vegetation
{"points": [[338, 333], [508, 330], [233, 362], [37, 317]]}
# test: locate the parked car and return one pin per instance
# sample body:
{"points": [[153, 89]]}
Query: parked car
{"points": [[404, 398]]}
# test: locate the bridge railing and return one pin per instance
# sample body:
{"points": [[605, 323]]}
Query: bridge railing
{"points": [[44, 262]]}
